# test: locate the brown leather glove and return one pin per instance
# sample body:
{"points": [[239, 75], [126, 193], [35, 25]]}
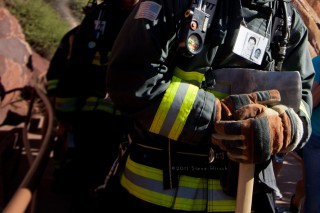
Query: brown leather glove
{"points": [[259, 133], [232, 103]]}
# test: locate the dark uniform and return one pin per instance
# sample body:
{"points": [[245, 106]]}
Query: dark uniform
{"points": [[59, 62], [63, 107], [166, 92], [98, 127]]}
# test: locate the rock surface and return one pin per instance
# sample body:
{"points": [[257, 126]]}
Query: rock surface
{"points": [[310, 11], [19, 65]]}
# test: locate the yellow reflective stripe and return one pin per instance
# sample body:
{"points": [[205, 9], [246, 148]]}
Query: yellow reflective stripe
{"points": [[90, 104], [165, 106], [303, 109], [189, 76], [193, 194], [219, 95], [163, 198], [224, 203], [221, 206], [52, 84], [145, 194], [212, 206], [184, 112], [96, 59], [170, 119], [108, 107], [187, 203], [95, 103], [65, 104], [157, 174]]}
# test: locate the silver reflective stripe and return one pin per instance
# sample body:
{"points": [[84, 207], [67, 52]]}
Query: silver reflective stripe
{"points": [[174, 109], [192, 194]]}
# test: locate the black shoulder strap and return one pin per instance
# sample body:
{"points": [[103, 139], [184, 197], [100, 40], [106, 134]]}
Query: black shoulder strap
{"points": [[281, 31]]}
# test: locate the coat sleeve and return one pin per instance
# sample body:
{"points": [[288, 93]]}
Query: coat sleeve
{"points": [[141, 83], [298, 58], [58, 63]]}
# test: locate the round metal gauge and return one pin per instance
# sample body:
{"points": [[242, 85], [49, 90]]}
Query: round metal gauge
{"points": [[194, 43]]}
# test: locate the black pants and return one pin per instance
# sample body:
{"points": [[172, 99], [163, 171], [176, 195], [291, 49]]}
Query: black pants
{"points": [[97, 137]]}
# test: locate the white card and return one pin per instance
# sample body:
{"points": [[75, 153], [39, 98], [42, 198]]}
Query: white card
{"points": [[250, 45]]}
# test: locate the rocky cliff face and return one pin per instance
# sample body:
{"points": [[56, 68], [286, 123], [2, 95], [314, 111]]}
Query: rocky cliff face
{"points": [[18, 64], [310, 12]]}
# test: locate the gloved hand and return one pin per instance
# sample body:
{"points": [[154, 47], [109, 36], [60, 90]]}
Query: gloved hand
{"points": [[260, 132], [232, 103]]}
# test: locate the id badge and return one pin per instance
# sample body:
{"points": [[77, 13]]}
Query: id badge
{"points": [[250, 45]]}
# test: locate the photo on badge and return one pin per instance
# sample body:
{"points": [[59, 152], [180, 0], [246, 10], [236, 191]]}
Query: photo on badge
{"points": [[250, 45]]}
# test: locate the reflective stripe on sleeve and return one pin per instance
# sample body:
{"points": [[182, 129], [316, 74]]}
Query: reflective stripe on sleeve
{"points": [[96, 59], [95, 103], [65, 104], [90, 104], [219, 95], [174, 109], [52, 84]]}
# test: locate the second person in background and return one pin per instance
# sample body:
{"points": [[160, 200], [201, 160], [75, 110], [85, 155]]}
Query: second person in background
{"points": [[98, 127]]}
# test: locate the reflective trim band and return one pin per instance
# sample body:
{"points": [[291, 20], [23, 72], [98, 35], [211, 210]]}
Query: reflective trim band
{"points": [[191, 77], [90, 104], [165, 106], [184, 112], [108, 106], [303, 109], [65, 104], [173, 110], [96, 59], [95, 103], [193, 194], [52, 84], [219, 95]]}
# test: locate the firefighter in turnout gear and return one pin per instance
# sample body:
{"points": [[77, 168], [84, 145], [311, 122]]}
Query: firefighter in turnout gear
{"points": [[190, 135], [64, 107], [81, 100]]}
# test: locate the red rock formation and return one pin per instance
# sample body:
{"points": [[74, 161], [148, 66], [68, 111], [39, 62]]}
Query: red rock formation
{"points": [[309, 10], [315, 4], [18, 64]]}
